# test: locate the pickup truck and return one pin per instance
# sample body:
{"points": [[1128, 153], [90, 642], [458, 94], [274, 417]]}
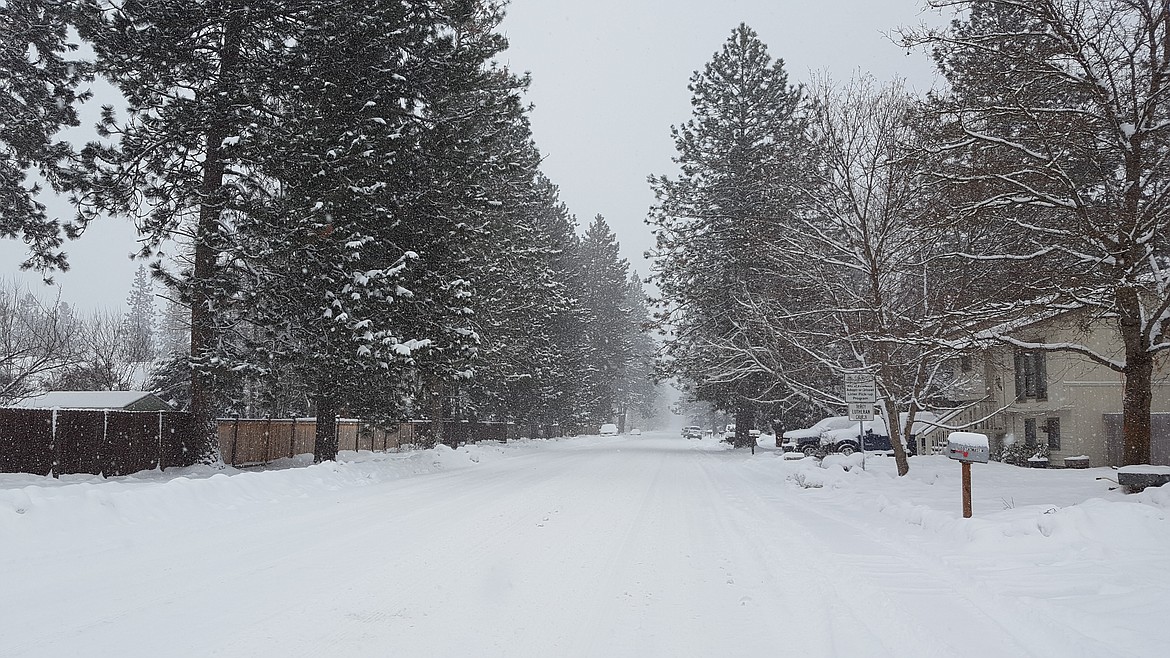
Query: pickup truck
{"points": [[839, 434]]}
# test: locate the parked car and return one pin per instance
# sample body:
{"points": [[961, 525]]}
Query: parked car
{"points": [[848, 440], [635, 432], [608, 429], [808, 439], [729, 433], [692, 432], [840, 434]]}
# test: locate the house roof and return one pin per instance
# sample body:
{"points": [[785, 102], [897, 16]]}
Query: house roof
{"points": [[135, 400]]}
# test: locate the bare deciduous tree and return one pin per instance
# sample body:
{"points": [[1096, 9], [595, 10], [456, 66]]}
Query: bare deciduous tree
{"points": [[1060, 120], [36, 340]]}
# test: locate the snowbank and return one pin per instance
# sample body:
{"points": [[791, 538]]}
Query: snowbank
{"points": [[42, 506]]}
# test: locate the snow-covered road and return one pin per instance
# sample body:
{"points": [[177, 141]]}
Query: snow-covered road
{"points": [[640, 546]]}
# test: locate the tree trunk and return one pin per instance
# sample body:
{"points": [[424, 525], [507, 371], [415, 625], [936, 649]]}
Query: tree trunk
{"points": [[1138, 371], [325, 443], [206, 237], [745, 418], [1135, 418], [438, 389], [896, 430]]}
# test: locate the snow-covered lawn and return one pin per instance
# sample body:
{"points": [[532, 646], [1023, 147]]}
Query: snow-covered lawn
{"points": [[616, 546]]}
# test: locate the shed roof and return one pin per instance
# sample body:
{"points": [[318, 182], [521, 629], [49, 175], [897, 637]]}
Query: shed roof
{"points": [[129, 400]]}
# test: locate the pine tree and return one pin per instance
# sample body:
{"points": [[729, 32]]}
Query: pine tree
{"points": [[518, 294], [567, 392], [140, 319], [195, 76], [333, 245], [608, 329], [39, 94], [712, 223], [637, 392]]}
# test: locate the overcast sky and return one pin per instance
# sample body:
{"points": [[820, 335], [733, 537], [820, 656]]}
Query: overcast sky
{"points": [[609, 78]]}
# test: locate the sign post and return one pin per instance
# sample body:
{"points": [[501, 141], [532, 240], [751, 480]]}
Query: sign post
{"points": [[860, 396], [968, 448], [966, 490]]}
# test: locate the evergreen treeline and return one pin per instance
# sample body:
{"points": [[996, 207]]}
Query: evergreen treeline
{"points": [[346, 197]]}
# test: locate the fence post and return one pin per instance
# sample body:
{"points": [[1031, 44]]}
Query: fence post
{"points": [[159, 456], [105, 436], [58, 451], [292, 441], [268, 439], [235, 437]]}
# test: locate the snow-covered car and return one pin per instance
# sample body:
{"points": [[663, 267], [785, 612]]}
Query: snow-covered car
{"points": [[608, 429], [729, 433], [877, 436], [808, 439], [635, 432], [692, 432]]}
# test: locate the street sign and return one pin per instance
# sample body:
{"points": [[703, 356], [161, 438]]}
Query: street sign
{"points": [[860, 388], [860, 411]]}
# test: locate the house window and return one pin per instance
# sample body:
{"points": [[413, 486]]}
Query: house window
{"points": [[1030, 432], [965, 363], [1031, 375], [1052, 427]]}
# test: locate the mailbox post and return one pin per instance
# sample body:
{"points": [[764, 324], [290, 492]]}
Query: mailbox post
{"points": [[967, 448]]}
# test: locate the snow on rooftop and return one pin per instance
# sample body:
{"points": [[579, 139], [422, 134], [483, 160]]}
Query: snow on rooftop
{"points": [[83, 400]]}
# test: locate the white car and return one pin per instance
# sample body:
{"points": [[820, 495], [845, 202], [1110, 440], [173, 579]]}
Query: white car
{"points": [[608, 429], [635, 432]]}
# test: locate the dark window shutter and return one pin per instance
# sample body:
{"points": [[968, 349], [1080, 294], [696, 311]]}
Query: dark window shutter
{"points": [[1041, 375], [1052, 426], [1020, 379]]}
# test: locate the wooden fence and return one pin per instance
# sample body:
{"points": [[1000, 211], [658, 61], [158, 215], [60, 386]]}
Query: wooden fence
{"points": [[101, 442], [255, 441]]}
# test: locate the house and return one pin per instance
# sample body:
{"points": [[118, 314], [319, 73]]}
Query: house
{"points": [[1059, 399], [113, 400]]}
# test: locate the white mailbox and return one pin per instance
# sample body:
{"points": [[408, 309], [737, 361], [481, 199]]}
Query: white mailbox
{"points": [[968, 447]]}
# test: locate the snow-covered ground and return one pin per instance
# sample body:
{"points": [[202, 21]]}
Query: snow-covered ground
{"points": [[617, 546]]}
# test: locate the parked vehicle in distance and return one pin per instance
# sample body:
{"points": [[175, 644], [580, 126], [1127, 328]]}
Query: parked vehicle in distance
{"points": [[729, 433], [608, 429], [635, 432], [692, 432]]}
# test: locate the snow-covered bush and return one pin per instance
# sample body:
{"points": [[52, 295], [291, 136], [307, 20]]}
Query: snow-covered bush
{"points": [[1018, 454]]}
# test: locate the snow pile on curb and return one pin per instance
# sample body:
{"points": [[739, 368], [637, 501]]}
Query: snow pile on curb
{"points": [[46, 504], [1015, 508]]}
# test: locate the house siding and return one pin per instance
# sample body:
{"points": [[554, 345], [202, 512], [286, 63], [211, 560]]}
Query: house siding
{"points": [[1080, 393]]}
